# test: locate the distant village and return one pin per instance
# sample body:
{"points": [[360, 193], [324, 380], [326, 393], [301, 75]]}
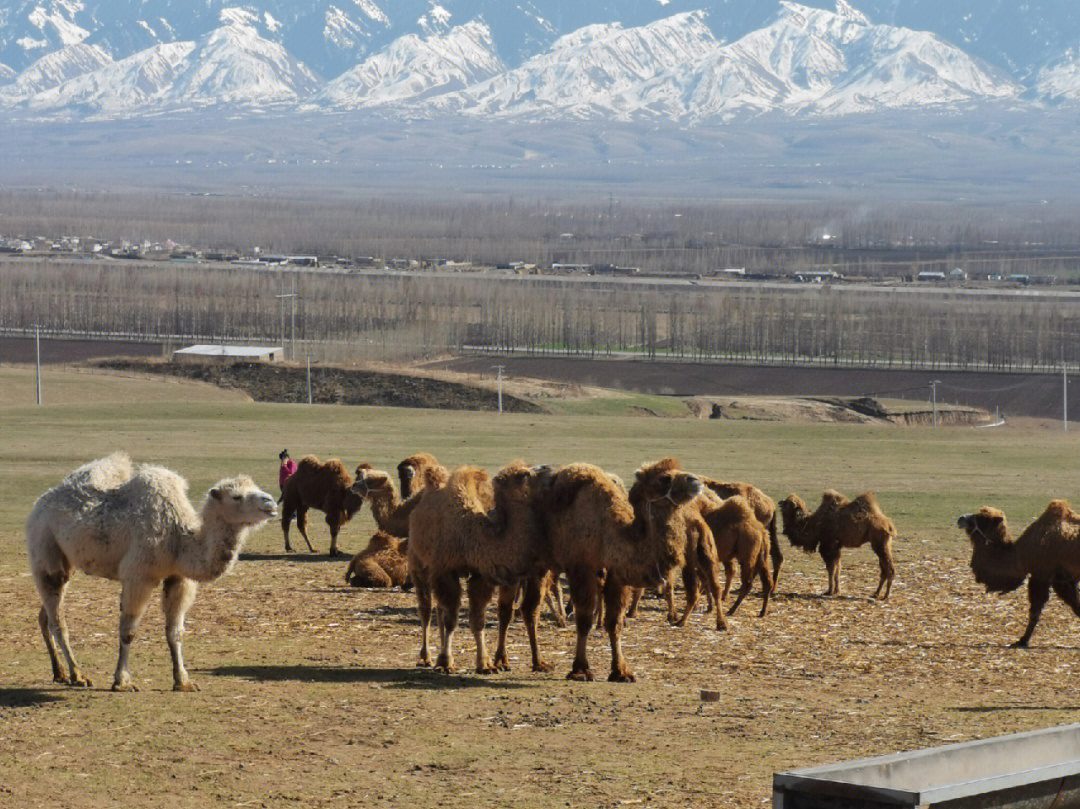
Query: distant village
{"points": [[170, 251]]}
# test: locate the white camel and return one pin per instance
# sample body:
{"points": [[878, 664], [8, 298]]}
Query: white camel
{"points": [[139, 528]]}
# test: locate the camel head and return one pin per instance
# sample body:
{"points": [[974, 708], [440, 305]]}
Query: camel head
{"points": [[793, 513], [519, 483], [664, 482], [371, 482], [238, 501], [994, 559], [419, 471]]}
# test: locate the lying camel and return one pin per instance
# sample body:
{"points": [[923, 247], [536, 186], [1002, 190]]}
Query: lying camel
{"points": [[1047, 554]]}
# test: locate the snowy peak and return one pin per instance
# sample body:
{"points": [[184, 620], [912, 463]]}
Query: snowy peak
{"points": [[235, 65], [126, 86], [1060, 79], [591, 71], [54, 69], [413, 68]]}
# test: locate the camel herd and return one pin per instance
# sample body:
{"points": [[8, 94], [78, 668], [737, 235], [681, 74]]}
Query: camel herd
{"points": [[516, 534], [510, 537]]}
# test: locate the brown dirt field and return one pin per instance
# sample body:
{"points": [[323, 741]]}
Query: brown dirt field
{"points": [[1015, 394], [310, 688]]}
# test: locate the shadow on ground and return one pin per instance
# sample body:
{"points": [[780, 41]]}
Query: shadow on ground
{"points": [[391, 678], [27, 697]]}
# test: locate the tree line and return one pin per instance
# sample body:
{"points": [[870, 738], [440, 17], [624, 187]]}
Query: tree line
{"points": [[346, 316]]}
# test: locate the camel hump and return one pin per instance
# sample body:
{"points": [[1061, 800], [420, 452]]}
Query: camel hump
{"points": [[832, 498], [470, 480], [1060, 510]]}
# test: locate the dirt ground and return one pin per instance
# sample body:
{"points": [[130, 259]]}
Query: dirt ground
{"points": [[310, 698]]}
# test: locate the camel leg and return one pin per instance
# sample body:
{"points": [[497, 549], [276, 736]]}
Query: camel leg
{"points": [[1038, 595], [888, 570], [554, 597], [1067, 592], [832, 569], [530, 608], [746, 574], [287, 514], [177, 596], [480, 592], [768, 585], [50, 646], [423, 605], [669, 594], [447, 592], [774, 551], [635, 599], [690, 585], [507, 599], [729, 577], [584, 589], [301, 525], [133, 600], [334, 521], [616, 598], [710, 570], [51, 588]]}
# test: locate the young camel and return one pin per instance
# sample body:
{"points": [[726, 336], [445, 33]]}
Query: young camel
{"points": [[841, 523], [323, 486], [739, 537], [592, 527], [1047, 554], [140, 529], [489, 532], [764, 510]]}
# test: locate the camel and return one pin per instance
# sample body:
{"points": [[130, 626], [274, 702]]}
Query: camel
{"points": [[322, 486], [139, 528], [486, 530], [591, 527], [841, 523], [737, 536], [383, 563], [764, 510], [1047, 554]]}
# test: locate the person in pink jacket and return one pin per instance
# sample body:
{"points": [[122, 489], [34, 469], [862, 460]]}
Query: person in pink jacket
{"points": [[285, 471]]}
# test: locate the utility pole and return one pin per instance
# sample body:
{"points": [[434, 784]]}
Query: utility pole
{"points": [[933, 393], [37, 361], [309, 379], [292, 318], [1064, 397], [500, 369]]}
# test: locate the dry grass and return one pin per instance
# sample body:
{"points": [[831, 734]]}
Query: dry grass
{"points": [[309, 693]]}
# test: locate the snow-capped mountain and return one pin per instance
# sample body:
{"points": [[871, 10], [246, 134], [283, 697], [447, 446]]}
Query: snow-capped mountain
{"points": [[626, 59], [234, 65], [591, 70], [414, 68], [1060, 79], [55, 68]]}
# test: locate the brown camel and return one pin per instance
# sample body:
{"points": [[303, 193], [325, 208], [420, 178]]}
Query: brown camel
{"points": [[841, 523], [383, 563], [486, 530], [592, 527], [764, 510], [322, 486], [1047, 554], [738, 536]]}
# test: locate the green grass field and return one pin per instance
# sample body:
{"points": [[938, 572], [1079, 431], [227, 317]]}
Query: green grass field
{"points": [[309, 696]]}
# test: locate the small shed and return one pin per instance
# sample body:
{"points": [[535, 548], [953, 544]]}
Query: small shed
{"points": [[226, 354]]}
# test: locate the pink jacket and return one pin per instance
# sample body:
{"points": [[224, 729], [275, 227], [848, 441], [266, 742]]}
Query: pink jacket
{"points": [[286, 471]]}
